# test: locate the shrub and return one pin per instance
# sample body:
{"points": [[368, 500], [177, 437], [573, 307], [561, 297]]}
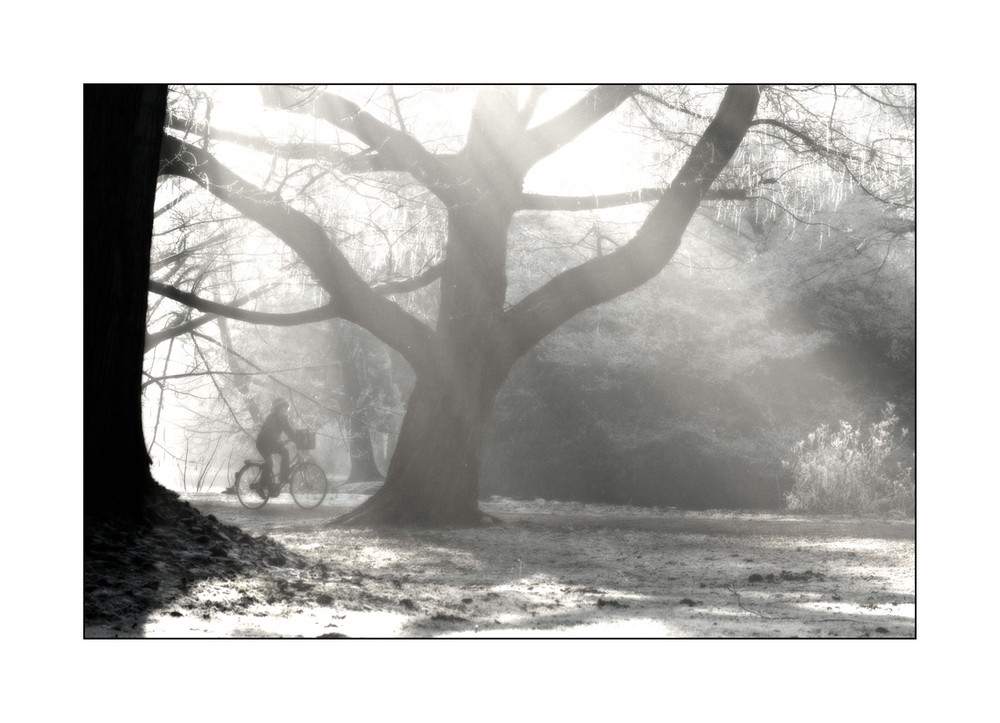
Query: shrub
{"points": [[846, 471]]}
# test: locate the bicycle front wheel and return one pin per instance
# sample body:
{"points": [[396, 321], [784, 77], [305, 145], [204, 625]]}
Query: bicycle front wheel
{"points": [[308, 485], [248, 487]]}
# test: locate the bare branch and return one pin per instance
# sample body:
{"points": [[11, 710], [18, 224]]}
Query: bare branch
{"points": [[399, 112], [404, 286], [351, 297], [174, 331], [672, 106], [882, 101], [397, 149], [528, 109], [606, 277], [549, 137], [181, 255], [810, 143], [180, 197], [364, 162], [294, 318], [233, 311], [535, 202]]}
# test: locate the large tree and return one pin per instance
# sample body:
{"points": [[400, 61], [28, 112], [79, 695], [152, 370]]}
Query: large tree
{"points": [[123, 125], [461, 362]]}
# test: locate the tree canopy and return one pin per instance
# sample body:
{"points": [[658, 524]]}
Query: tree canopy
{"points": [[462, 226]]}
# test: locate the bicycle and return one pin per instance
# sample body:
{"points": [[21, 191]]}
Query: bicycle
{"points": [[306, 480]]}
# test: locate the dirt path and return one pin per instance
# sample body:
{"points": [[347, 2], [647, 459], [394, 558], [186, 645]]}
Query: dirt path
{"points": [[285, 514]]}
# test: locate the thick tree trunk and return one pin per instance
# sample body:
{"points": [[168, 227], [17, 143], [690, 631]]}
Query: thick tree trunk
{"points": [[433, 478], [434, 474], [123, 126]]}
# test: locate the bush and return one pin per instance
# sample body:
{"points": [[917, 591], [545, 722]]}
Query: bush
{"points": [[845, 471]]}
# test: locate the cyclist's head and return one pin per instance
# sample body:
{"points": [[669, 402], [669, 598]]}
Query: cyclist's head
{"points": [[279, 404]]}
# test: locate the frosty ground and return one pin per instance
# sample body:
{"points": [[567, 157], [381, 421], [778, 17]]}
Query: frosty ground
{"points": [[211, 568]]}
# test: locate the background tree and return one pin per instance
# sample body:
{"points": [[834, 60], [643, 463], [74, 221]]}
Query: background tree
{"points": [[123, 125]]}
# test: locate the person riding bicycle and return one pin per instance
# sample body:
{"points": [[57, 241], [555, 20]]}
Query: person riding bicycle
{"points": [[269, 440]]}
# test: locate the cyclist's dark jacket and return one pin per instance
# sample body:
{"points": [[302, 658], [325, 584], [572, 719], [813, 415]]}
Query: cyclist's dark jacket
{"points": [[270, 432]]}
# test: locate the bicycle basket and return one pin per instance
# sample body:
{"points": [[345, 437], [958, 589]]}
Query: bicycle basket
{"points": [[305, 439]]}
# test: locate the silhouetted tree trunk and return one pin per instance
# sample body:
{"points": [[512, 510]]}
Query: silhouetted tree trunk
{"points": [[123, 126]]}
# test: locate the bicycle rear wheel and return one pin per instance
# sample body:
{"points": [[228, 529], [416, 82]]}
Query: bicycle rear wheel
{"points": [[308, 485], [252, 495]]}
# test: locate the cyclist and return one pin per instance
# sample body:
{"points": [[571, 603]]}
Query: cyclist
{"points": [[269, 442]]}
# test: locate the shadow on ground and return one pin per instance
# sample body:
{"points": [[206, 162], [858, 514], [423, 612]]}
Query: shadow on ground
{"points": [[134, 568]]}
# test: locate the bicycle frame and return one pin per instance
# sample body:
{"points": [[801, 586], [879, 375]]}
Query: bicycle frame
{"points": [[295, 460]]}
